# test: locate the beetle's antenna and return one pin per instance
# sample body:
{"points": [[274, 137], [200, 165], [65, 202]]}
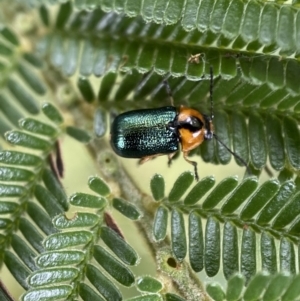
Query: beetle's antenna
{"points": [[212, 117], [233, 153], [211, 93], [169, 92]]}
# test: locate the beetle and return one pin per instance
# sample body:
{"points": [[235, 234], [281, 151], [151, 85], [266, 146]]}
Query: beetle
{"points": [[148, 133]]}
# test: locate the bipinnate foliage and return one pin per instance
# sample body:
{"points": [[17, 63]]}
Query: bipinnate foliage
{"points": [[65, 65]]}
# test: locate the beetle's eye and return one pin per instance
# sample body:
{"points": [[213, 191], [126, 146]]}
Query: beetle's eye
{"points": [[196, 123], [192, 123]]}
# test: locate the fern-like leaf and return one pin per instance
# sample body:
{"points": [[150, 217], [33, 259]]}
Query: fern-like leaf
{"points": [[152, 49], [244, 208]]}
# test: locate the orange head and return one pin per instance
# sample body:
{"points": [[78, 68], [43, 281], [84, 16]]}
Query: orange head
{"points": [[193, 128]]}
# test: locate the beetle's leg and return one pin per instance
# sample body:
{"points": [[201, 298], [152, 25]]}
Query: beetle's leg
{"points": [[170, 157], [193, 163], [145, 159], [169, 92]]}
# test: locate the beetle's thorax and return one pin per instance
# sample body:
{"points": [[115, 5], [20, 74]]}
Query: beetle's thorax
{"points": [[192, 128]]}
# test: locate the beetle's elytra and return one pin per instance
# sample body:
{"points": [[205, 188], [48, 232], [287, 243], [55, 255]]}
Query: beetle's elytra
{"points": [[144, 133], [148, 133]]}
